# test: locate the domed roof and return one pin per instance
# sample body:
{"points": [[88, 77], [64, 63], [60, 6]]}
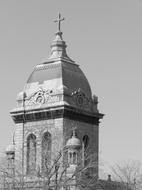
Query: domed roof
{"points": [[73, 142], [59, 70], [58, 81], [10, 149], [60, 74]]}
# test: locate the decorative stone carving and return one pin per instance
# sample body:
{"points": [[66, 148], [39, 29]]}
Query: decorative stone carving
{"points": [[80, 99], [41, 97]]}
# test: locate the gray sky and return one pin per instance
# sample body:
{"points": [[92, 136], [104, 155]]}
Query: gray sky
{"points": [[104, 37]]}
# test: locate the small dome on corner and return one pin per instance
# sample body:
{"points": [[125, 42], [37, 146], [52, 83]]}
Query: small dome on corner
{"points": [[10, 149], [73, 142]]}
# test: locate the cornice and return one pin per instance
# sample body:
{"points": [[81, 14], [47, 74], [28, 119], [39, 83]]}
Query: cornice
{"points": [[54, 113]]}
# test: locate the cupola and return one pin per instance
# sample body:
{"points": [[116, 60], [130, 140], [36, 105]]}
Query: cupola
{"points": [[73, 142], [73, 146], [10, 149]]}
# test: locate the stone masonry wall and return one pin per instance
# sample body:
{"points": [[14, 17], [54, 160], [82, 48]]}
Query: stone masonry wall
{"points": [[53, 126], [92, 131]]}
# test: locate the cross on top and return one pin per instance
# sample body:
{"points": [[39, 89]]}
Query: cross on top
{"points": [[59, 20]]}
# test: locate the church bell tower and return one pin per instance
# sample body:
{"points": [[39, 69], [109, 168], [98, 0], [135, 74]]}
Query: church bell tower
{"points": [[56, 109]]}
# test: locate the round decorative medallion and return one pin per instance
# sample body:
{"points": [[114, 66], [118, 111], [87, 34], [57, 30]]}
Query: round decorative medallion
{"points": [[80, 100], [40, 99]]}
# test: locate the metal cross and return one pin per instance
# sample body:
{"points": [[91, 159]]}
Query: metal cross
{"points": [[59, 20]]}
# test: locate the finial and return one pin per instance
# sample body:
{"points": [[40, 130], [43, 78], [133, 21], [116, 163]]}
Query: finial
{"points": [[109, 178], [74, 132], [58, 47], [59, 20]]}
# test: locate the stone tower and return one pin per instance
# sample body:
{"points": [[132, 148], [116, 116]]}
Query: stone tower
{"points": [[56, 109]]}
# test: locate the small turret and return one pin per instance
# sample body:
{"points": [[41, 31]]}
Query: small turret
{"points": [[10, 155], [10, 150], [73, 145], [73, 142]]}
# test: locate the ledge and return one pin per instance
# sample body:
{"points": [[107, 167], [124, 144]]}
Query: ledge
{"points": [[56, 112]]}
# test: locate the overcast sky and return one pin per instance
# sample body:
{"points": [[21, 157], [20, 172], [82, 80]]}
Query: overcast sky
{"points": [[104, 37]]}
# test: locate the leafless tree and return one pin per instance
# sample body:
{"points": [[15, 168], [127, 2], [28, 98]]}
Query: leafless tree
{"points": [[10, 175], [129, 173], [56, 176]]}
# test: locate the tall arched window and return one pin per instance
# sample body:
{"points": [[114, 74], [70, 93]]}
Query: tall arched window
{"points": [[46, 152], [85, 145], [86, 141], [31, 154]]}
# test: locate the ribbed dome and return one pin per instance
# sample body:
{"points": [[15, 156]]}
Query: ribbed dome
{"points": [[73, 142]]}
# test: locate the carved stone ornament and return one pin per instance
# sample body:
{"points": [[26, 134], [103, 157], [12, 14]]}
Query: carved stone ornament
{"points": [[80, 99], [39, 97]]}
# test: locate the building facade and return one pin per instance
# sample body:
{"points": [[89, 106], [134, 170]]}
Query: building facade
{"points": [[56, 114]]}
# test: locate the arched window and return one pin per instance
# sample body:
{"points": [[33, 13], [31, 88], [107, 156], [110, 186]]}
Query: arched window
{"points": [[74, 158], [31, 154], [70, 158], [85, 145], [46, 151], [85, 141]]}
